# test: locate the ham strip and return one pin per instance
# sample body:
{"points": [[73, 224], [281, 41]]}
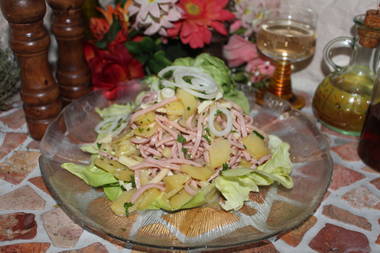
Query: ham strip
{"points": [[142, 189], [183, 161], [139, 140], [198, 137], [160, 120], [152, 108], [190, 190], [164, 141]]}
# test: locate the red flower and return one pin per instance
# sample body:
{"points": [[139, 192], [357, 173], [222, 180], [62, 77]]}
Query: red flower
{"points": [[199, 16], [112, 68]]}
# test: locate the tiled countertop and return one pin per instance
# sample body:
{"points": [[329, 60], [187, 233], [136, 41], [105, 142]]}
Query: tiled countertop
{"points": [[348, 219]]}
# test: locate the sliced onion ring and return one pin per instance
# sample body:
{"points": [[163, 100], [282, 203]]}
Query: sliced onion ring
{"points": [[211, 119], [201, 84]]}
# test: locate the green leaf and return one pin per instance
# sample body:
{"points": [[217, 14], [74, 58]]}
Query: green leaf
{"points": [[133, 47], [147, 45], [110, 35], [181, 139], [112, 192], [90, 174], [127, 205], [121, 2], [258, 134]]}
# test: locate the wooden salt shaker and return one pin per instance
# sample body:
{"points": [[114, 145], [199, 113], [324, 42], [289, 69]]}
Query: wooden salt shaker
{"points": [[73, 74], [30, 42]]}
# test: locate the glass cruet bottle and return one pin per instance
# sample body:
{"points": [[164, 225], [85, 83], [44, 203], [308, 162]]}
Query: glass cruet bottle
{"points": [[341, 100], [369, 143]]}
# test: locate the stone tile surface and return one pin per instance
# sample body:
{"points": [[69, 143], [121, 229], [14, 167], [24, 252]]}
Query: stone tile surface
{"points": [[23, 198], [62, 231], [92, 248], [347, 151], [18, 166], [10, 142], [332, 238], [33, 247], [343, 215], [14, 120], [294, 237], [362, 197], [343, 176], [39, 182], [17, 226]]}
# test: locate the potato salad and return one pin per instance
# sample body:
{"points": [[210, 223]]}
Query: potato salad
{"points": [[182, 146]]}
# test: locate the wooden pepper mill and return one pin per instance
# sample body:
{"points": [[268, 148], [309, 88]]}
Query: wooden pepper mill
{"points": [[73, 74], [30, 42]]}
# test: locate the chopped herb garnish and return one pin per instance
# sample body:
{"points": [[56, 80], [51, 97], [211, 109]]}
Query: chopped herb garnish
{"points": [[140, 129], [245, 146], [185, 152], [133, 182], [207, 139], [127, 205], [225, 167], [181, 139], [207, 130], [258, 134], [188, 108], [218, 112], [98, 145]]}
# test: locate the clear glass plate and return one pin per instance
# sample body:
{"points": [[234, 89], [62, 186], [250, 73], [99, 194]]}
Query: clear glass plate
{"points": [[272, 211]]}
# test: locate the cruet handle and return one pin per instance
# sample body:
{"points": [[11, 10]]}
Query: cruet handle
{"points": [[339, 42]]}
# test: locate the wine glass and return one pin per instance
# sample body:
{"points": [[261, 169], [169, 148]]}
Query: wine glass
{"points": [[287, 35]]}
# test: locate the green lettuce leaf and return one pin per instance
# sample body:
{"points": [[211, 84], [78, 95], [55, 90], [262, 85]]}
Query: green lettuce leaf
{"points": [[205, 195], [184, 61], [112, 192], [92, 148], [236, 184], [239, 98], [234, 191], [114, 110], [161, 202], [90, 174], [279, 166]]}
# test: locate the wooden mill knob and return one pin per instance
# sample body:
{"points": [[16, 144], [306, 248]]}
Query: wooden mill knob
{"points": [[30, 42], [73, 74]]}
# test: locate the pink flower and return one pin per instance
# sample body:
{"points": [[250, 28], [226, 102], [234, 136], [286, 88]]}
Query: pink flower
{"points": [[199, 18], [239, 51], [236, 25], [259, 69]]}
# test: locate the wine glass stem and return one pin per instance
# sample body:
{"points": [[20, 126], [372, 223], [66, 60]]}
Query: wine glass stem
{"points": [[280, 84]]}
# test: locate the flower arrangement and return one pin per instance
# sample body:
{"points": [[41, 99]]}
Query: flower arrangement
{"points": [[133, 38]]}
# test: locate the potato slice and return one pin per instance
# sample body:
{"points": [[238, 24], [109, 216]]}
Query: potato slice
{"points": [[255, 145], [147, 198], [146, 119], [146, 131], [175, 183], [175, 108], [200, 173], [117, 206], [219, 152], [189, 101], [181, 198]]}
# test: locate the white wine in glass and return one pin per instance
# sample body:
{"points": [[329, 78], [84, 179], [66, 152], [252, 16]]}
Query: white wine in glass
{"points": [[287, 35]]}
